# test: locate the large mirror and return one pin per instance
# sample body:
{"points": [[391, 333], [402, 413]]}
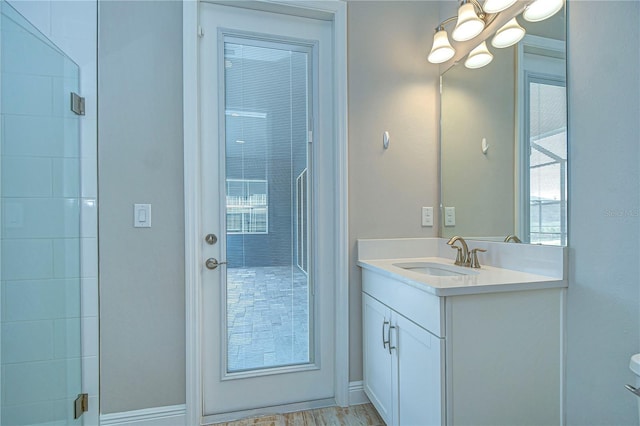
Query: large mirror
{"points": [[503, 142]]}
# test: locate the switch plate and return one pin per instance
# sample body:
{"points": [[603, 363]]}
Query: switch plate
{"points": [[449, 216], [142, 215], [427, 216]]}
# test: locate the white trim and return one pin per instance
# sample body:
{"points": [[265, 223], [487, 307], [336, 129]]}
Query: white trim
{"points": [[172, 415], [356, 393], [338, 10], [190, 25]]}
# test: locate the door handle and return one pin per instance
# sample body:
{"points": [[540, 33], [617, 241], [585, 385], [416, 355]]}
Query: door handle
{"points": [[212, 263], [384, 342], [389, 338]]}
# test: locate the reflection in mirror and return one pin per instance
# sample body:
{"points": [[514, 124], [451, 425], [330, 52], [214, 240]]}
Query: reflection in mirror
{"points": [[503, 142]]}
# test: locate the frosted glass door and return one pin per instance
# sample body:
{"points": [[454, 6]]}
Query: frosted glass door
{"points": [[40, 234]]}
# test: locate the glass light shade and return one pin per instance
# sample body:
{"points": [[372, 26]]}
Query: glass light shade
{"points": [[479, 57], [540, 10], [495, 6], [468, 25], [508, 35], [441, 50]]}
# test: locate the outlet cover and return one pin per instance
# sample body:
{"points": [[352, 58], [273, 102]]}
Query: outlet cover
{"points": [[427, 216], [449, 216]]}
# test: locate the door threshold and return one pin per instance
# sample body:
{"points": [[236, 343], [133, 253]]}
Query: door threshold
{"points": [[276, 409]]}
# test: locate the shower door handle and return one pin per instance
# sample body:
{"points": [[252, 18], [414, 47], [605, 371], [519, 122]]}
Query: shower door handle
{"points": [[212, 263]]}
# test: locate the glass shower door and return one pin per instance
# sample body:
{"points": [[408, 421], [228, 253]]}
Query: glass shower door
{"points": [[40, 345]]}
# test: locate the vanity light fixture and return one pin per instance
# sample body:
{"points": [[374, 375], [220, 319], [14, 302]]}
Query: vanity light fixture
{"points": [[472, 20], [469, 24], [441, 50], [540, 10], [479, 57], [495, 6], [508, 35]]}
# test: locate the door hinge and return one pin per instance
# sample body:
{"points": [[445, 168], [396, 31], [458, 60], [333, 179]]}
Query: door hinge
{"points": [[80, 405], [200, 31], [77, 104], [310, 136]]}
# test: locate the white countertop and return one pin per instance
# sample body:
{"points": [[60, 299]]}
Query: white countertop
{"points": [[487, 279]]}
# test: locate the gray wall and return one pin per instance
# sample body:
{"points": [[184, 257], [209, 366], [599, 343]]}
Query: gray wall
{"points": [[142, 343], [391, 87], [604, 230]]}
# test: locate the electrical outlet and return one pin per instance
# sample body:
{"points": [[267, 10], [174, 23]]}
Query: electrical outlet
{"points": [[427, 216]]}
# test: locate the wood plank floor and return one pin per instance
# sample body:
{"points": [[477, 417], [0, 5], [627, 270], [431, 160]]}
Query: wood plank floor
{"points": [[357, 415]]}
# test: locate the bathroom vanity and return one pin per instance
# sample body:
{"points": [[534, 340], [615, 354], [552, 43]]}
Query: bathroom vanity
{"points": [[452, 345]]}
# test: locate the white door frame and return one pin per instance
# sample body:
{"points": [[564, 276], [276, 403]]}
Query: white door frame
{"points": [[335, 11]]}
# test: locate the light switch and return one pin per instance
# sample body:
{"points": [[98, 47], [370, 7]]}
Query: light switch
{"points": [[142, 215], [427, 216], [449, 216]]}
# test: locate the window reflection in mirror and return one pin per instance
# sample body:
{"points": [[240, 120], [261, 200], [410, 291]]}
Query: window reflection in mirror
{"points": [[517, 184]]}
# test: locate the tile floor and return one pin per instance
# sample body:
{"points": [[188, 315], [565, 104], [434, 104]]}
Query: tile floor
{"points": [[268, 317], [357, 415]]}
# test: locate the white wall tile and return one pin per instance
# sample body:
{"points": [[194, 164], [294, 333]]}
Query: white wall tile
{"points": [[89, 178], [88, 132], [42, 218], [26, 341], [25, 53], [89, 295], [39, 300], [67, 338], [40, 136], [66, 177], [41, 381], [26, 94], [27, 259], [66, 258], [89, 257], [61, 92], [27, 414], [88, 218], [72, 18], [89, 333], [38, 12], [26, 177]]}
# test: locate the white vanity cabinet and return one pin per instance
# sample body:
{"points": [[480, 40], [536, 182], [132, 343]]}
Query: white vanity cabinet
{"points": [[477, 356], [402, 366]]}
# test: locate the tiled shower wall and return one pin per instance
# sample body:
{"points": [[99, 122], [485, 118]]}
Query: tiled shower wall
{"points": [[72, 26]]}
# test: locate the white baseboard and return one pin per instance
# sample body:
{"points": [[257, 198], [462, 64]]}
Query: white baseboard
{"points": [[356, 393], [173, 415]]}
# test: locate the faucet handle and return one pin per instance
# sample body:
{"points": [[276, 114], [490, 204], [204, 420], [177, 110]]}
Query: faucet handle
{"points": [[459, 259], [475, 263]]}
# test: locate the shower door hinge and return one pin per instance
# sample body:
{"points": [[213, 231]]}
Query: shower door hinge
{"points": [[77, 104], [200, 31], [81, 405]]}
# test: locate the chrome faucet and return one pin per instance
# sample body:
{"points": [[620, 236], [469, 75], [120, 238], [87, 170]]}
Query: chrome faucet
{"points": [[462, 258], [513, 238]]}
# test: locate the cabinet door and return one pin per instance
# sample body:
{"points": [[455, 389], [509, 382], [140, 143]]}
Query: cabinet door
{"points": [[419, 374], [377, 360]]}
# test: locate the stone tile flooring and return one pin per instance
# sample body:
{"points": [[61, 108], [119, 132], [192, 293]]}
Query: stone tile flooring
{"points": [[268, 317]]}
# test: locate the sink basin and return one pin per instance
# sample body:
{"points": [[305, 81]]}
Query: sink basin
{"points": [[434, 269]]}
